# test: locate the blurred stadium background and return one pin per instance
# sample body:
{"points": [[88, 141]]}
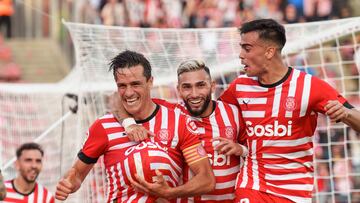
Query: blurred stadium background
{"points": [[44, 63]]}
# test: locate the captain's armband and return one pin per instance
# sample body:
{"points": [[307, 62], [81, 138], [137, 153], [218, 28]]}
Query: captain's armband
{"points": [[194, 154]]}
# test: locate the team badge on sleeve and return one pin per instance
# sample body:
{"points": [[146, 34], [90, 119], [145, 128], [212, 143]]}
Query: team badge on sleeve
{"points": [[191, 126]]}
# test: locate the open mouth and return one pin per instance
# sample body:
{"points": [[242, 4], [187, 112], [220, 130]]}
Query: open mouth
{"points": [[131, 101], [195, 102]]}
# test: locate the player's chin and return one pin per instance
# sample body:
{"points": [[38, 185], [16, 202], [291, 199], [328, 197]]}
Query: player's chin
{"points": [[132, 110]]}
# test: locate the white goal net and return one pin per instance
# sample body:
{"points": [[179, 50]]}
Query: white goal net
{"points": [[328, 49]]}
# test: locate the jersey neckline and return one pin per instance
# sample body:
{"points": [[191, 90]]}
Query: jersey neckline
{"points": [[24, 194], [151, 116], [286, 76]]}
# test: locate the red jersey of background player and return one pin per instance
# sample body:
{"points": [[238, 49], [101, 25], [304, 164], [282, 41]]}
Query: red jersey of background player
{"points": [[39, 195], [280, 122], [222, 122], [173, 140]]}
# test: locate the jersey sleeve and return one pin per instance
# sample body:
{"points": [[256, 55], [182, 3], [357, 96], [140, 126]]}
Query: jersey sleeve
{"points": [[190, 144], [322, 92], [170, 104], [229, 95], [164, 103], [242, 138], [95, 144]]}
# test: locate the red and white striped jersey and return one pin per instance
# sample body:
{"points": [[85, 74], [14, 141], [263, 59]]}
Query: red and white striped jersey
{"points": [[280, 123], [123, 158], [39, 195], [223, 122]]}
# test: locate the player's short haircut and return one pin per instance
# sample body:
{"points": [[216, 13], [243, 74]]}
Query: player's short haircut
{"points": [[29, 146], [128, 59], [268, 30], [192, 65]]}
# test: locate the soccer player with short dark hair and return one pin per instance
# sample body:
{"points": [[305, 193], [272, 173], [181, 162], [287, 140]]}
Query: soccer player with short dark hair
{"points": [[158, 159], [280, 106]]}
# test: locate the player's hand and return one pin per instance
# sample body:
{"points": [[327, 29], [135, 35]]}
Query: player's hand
{"points": [[67, 185], [159, 188], [229, 147], [138, 133], [336, 111]]}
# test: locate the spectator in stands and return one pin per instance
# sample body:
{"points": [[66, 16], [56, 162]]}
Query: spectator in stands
{"points": [[225, 13], [88, 13], [6, 11], [113, 13], [2, 187], [290, 14], [24, 187]]}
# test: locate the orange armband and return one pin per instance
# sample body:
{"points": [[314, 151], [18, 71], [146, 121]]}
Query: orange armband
{"points": [[194, 154]]}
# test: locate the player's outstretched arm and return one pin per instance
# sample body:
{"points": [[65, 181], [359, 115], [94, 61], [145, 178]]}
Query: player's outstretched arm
{"points": [[2, 188], [202, 182], [229, 147], [134, 132], [337, 112], [72, 180]]}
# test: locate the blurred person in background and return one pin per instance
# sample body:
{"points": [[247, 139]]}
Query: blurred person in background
{"points": [[24, 187], [6, 11], [113, 13]]}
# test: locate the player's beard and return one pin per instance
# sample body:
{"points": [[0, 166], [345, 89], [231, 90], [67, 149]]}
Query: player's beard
{"points": [[203, 108], [31, 179]]}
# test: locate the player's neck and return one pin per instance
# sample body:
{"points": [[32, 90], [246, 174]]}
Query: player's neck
{"points": [[209, 110], [148, 111], [274, 74], [23, 186]]}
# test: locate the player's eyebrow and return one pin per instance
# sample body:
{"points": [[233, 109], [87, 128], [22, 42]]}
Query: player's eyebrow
{"points": [[245, 44]]}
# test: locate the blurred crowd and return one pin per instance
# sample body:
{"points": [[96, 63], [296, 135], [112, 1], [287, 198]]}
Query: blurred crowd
{"points": [[208, 13], [9, 70]]}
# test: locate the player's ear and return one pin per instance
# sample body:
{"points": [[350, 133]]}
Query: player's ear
{"points": [[150, 81], [270, 52], [213, 86], [17, 165]]}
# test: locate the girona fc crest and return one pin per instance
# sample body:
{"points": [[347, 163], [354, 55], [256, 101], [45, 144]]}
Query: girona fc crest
{"points": [[229, 132], [201, 151], [191, 126], [290, 104], [164, 136]]}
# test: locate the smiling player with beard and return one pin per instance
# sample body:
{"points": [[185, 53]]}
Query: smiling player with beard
{"points": [[24, 187]]}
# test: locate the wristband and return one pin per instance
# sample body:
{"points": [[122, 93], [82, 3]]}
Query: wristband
{"points": [[245, 150], [127, 122]]}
